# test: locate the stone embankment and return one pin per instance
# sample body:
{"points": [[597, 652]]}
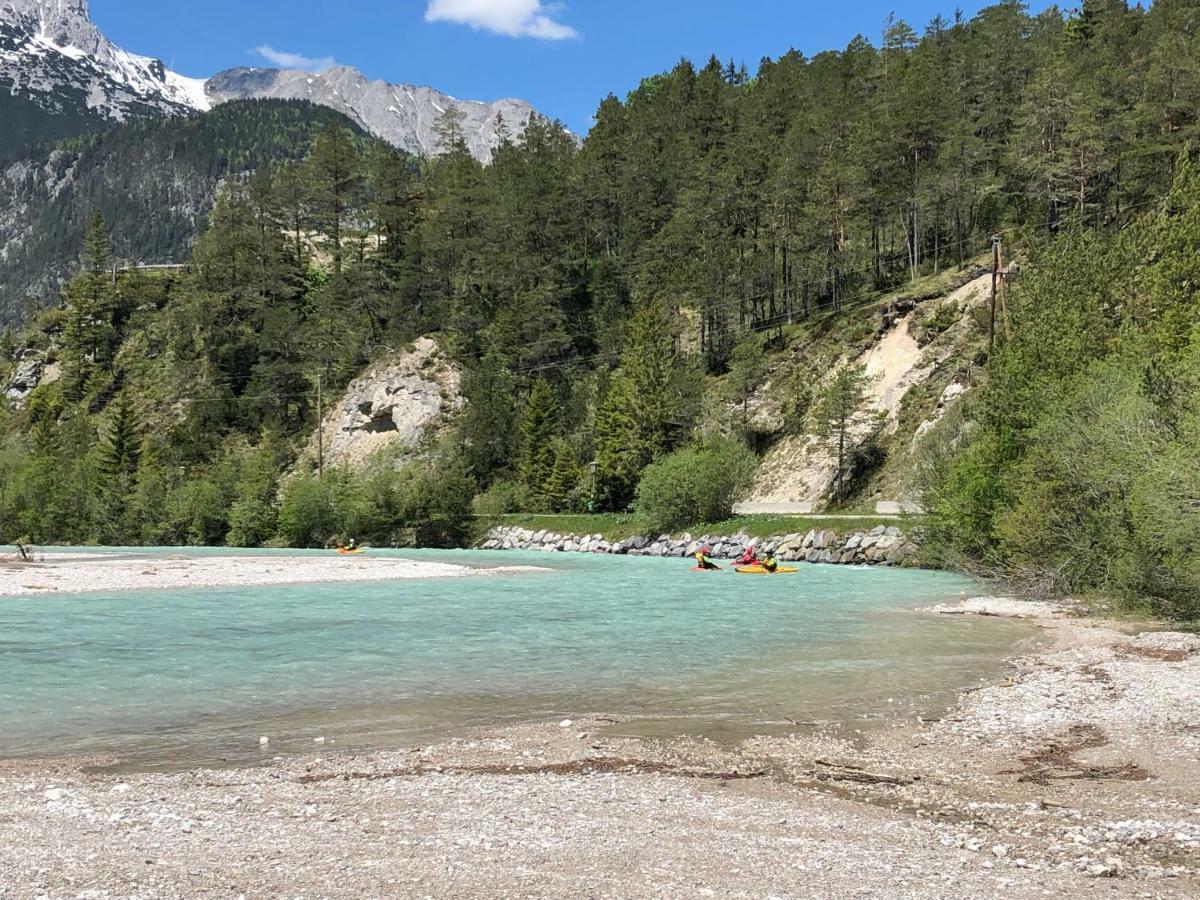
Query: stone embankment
{"points": [[877, 546]]}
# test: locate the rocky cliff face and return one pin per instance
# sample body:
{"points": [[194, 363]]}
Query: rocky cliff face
{"points": [[392, 406], [404, 115]]}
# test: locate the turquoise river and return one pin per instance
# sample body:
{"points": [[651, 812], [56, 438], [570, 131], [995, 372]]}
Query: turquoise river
{"points": [[198, 675]]}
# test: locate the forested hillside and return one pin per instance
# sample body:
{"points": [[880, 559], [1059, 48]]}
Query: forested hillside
{"points": [[154, 179], [607, 303]]}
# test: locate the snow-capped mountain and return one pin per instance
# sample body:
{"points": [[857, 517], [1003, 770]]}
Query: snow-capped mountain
{"points": [[404, 115], [52, 54], [59, 75]]}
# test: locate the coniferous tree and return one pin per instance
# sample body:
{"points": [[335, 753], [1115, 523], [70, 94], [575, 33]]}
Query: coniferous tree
{"points": [[89, 332], [539, 428], [335, 173], [117, 464], [564, 477], [838, 416]]}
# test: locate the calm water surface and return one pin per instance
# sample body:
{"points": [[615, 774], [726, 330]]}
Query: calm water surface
{"points": [[199, 674]]}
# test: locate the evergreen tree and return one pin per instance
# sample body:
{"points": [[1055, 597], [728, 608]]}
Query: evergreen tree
{"points": [[622, 451], [564, 477], [117, 464], [488, 429], [90, 329], [539, 428], [334, 171], [838, 417]]}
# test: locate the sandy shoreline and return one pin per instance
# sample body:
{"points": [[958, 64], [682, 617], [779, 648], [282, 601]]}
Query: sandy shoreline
{"points": [[1074, 776], [108, 571]]}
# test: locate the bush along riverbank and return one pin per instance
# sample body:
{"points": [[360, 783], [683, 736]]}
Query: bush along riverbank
{"points": [[881, 545]]}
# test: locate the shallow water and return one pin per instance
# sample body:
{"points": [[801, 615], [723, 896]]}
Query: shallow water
{"points": [[198, 675]]}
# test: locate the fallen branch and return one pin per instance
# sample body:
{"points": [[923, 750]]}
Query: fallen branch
{"points": [[847, 772]]}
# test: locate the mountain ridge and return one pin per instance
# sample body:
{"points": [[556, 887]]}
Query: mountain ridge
{"points": [[54, 58], [404, 115]]}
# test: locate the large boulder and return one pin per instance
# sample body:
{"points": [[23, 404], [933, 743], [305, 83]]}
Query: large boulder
{"points": [[392, 405], [29, 373]]}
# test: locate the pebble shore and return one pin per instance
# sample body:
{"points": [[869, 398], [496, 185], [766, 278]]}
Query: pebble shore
{"points": [[1072, 776], [79, 573]]}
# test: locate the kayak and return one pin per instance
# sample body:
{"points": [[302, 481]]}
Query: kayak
{"points": [[702, 569], [760, 570], [346, 551]]}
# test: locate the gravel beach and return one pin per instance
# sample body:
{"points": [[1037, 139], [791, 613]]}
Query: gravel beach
{"points": [[1074, 776], [75, 573]]}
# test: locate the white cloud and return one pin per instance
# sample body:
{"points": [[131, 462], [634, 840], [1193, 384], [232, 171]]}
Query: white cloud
{"points": [[286, 60], [515, 18]]}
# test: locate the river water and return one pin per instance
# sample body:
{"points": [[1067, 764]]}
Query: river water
{"points": [[198, 675]]}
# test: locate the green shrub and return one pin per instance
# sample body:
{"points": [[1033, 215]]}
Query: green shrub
{"points": [[436, 506], [696, 484], [502, 498]]}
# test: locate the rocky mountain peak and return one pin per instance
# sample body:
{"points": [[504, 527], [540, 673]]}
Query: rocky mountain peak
{"points": [[64, 23], [404, 115], [54, 58]]}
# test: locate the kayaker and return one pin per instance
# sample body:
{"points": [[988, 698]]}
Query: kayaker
{"points": [[770, 563], [351, 544], [703, 561], [749, 557]]}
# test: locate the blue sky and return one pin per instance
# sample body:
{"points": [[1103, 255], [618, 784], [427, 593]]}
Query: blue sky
{"points": [[563, 57]]}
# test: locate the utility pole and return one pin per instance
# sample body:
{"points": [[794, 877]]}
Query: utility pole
{"points": [[1004, 273], [320, 432], [995, 278]]}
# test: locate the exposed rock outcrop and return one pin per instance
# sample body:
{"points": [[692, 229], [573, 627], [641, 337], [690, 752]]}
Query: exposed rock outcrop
{"points": [[797, 469], [31, 371], [393, 405]]}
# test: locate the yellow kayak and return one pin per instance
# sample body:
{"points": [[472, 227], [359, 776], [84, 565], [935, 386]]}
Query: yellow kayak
{"points": [[346, 551], [760, 570]]}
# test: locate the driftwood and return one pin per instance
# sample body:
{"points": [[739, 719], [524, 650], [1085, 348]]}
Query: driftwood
{"points": [[832, 771]]}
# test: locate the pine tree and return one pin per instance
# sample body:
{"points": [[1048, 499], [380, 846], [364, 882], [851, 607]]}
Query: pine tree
{"points": [[116, 468], [538, 431], [335, 173], [488, 429], [89, 333], [622, 450], [837, 419], [564, 477]]}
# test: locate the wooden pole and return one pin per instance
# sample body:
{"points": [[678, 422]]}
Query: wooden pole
{"points": [[1004, 295], [320, 431], [995, 278]]}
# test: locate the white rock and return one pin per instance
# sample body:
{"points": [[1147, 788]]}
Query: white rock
{"points": [[55, 794], [263, 741], [565, 723]]}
